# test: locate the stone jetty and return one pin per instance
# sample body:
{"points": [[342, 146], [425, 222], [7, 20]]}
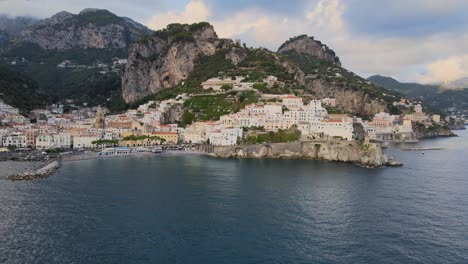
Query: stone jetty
{"points": [[40, 173]]}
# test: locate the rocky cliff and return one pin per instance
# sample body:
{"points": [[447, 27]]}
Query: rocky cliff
{"points": [[308, 45], [11, 26], [430, 131], [360, 153], [323, 78], [91, 28], [167, 57]]}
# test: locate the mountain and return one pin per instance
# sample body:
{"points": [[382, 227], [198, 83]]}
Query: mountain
{"points": [[166, 58], [11, 26], [91, 28], [193, 53], [433, 95], [19, 90], [75, 56], [459, 83], [308, 45], [412, 90]]}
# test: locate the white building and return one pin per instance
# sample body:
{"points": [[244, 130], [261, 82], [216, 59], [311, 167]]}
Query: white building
{"points": [[14, 139], [84, 141], [225, 136], [329, 101], [54, 141], [199, 132], [292, 101], [418, 108], [5, 108], [332, 128]]}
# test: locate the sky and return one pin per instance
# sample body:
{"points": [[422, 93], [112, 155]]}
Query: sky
{"points": [[422, 41]]}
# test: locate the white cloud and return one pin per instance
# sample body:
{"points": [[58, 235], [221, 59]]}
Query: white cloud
{"points": [[448, 69], [363, 54], [327, 14], [195, 11]]}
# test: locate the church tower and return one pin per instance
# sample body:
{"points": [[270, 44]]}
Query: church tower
{"points": [[100, 119]]}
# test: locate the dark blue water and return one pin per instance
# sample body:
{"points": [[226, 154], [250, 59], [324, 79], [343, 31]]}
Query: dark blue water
{"points": [[193, 209]]}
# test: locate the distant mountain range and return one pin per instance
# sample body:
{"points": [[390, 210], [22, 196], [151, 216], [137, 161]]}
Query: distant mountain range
{"points": [[435, 96], [71, 56], [460, 83]]}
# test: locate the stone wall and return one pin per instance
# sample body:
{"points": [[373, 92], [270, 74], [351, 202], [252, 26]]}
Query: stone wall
{"points": [[360, 153]]}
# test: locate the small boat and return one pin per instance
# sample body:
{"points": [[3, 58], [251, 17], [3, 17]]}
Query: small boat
{"points": [[158, 150]]}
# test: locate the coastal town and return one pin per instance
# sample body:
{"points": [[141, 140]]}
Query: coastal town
{"points": [[147, 126]]}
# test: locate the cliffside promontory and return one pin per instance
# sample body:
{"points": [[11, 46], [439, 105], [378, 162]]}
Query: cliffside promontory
{"points": [[360, 153]]}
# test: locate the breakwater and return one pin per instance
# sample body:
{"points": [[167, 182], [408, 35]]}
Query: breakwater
{"points": [[42, 172], [357, 152]]}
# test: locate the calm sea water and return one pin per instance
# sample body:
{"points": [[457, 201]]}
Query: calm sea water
{"points": [[193, 209]]}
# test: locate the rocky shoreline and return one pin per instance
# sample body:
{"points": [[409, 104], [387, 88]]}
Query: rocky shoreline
{"points": [[44, 171], [364, 154]]}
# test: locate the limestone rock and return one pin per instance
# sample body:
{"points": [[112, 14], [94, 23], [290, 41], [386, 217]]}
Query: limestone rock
{"points": [[305, 44], [163, 61], [92, 28]]}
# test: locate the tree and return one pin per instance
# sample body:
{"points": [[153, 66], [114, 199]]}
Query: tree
{"points": [[226, 87], [12, 147], [187, 118]]}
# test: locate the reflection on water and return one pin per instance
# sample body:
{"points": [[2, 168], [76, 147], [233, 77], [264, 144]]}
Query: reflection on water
{"points": [[193, 209]]}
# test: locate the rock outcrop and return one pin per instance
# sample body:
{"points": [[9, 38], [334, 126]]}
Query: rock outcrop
{"points": [[11, 26], [305, 44], [318, 69], [430, 131], [92, 28], [167, 57], [40, 173], [360, 153]]}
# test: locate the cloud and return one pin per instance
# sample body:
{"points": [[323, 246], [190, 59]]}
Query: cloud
{"points": [[418, 40], [327, 14], [195, 11], [409, 58], [444, 70]]}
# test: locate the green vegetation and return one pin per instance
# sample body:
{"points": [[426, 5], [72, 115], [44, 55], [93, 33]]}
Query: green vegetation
{"points": [[105, 142], [261, 64], [20, 91], [226, 87], [210, 66], [99, 18], [187, 118], [180, 32], [211, 107], [276, 89], [281, 136], [34, 53], [143, 137], [79, 84], [432, 95], [332, 110], [320, 69], [12, 147]]}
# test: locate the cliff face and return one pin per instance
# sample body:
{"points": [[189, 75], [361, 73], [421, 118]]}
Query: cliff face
{"points": [[423, 131], [305, 44], [92, 28], [163, 60], [10, 27], [350, 100], [363, 154]]}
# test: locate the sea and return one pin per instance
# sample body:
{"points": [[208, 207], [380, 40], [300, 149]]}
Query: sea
{"points": [[196, 209]]}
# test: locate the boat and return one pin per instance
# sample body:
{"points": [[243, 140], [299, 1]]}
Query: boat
{"points": [[158, 150]]}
